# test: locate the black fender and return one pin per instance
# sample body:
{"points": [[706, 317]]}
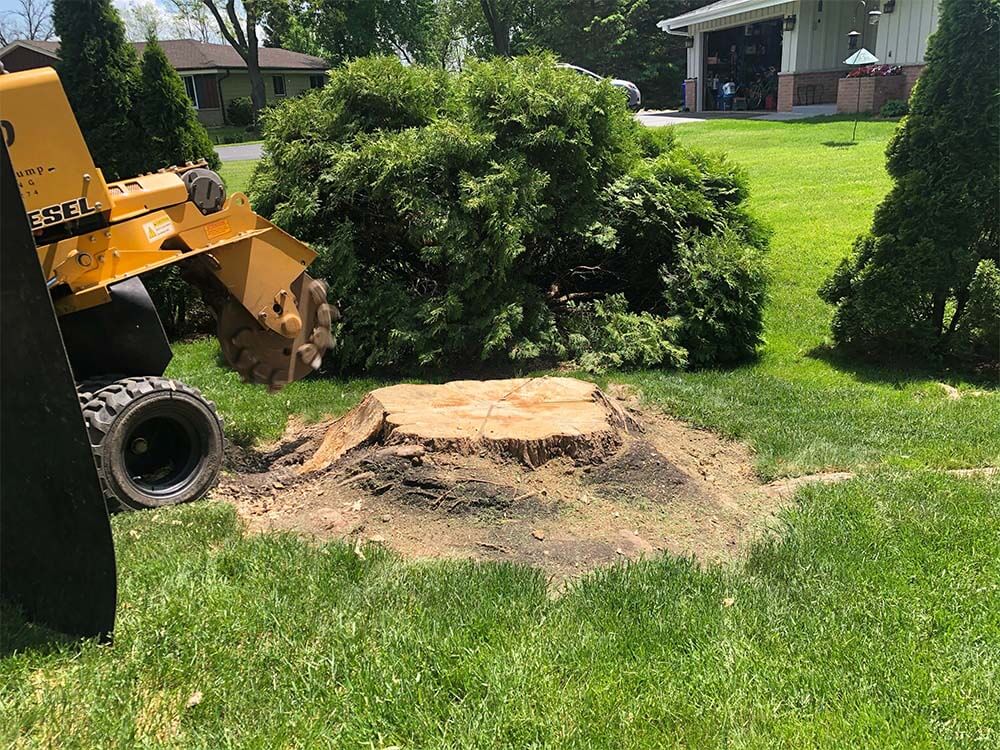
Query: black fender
{"points": [[124, 336]]}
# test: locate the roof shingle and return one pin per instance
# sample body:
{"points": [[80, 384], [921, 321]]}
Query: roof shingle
{"points": [[190, 54]]}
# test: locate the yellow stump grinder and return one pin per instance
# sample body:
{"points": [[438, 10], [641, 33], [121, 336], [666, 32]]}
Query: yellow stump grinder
{"points": [[155, 440]]}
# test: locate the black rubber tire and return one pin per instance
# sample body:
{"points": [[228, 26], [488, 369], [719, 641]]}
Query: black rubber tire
{"points": [[180, 433]]}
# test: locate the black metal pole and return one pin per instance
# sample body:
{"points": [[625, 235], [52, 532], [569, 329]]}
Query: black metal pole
{"points": [[857, 112], [857, 107]]}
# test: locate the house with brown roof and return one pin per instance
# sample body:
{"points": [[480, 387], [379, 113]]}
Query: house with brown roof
{"points": [[214, 74], [782, 54]]}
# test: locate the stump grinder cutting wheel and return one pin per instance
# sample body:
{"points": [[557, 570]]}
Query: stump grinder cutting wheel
{"points": [[155, 441]]}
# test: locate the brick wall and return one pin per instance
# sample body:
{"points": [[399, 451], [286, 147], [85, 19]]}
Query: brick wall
{"points": [[819, 87], [874, 92], [691, 94], [786, 91], [910, 75]]}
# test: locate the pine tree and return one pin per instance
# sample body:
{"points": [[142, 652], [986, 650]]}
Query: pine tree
{"points": [[100, 73], [170, 125], [921, 279]]}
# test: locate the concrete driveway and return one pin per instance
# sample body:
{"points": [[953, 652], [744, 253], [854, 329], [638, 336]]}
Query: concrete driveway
{"points": [[240, 151], [654, 118]]}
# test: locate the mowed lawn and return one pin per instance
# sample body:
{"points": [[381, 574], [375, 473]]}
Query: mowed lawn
{"points": [[871, 620], [803, 408]]}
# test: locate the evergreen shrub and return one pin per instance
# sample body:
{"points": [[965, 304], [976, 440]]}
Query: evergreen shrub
{"points": [[514, 213], [922, 283], [171, 128], [100, 73], [239, 111], [894, 109]]}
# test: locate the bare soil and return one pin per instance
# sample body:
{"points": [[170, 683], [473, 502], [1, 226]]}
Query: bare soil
{"points": [[659, 486]]}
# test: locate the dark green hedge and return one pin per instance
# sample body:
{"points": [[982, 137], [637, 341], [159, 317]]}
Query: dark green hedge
{"points": [[516, 212]]}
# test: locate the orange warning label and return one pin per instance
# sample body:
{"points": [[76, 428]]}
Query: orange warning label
{"points": [[218, 229]]}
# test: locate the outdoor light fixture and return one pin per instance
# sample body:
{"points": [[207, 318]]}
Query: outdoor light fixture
{"points": [[689, 41], [873, 15], [889, 7], [789, 23]]}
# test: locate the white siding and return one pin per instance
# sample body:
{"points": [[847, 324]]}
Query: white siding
{"points": [[699, 54], [903, 33], [823, 43], [753, 16]]}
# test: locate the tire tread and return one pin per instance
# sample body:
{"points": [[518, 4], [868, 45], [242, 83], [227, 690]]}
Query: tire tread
{"points": [[102, 400]]}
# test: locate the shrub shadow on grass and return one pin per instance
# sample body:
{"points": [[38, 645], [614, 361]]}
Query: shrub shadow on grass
{"points": [[826, 119], [17, 634], [898, 371]]}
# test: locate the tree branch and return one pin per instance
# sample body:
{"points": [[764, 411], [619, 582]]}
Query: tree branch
{"points": [[223, 29], [234, 19]]}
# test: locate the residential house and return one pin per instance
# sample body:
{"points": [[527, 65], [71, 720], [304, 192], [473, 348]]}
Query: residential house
{"points": [[214, 74], [794, 50]]}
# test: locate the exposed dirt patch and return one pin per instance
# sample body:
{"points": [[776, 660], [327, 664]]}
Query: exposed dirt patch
{"points": [[659, 486]]}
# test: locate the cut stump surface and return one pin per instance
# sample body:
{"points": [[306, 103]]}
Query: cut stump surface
{"points": [[530, 419]]}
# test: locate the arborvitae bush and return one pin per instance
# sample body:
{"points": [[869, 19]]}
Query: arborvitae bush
{"points": [[516, 212], [172, 132], [100, 73], [916, 285]]}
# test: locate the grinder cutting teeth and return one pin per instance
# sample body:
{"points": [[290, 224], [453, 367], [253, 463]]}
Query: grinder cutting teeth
{"points": [[260, 355]]}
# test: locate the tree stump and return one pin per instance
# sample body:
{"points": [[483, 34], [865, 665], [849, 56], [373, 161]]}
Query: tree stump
{"points": [[528, 419]]}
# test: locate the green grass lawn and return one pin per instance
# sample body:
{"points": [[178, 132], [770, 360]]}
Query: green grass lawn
{"points": [[801, 408], [237, 175], [872, 620]]}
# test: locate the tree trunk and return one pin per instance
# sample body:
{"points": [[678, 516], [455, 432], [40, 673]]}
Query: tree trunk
{"points": [[961, 298], [937, 313], [499, 27], [245, 43], [501, 39], [257, 93]]}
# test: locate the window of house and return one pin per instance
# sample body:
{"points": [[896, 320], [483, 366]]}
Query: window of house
{"points": [[279, 85], [202, 90], [316, 81], [207, 88], [192, 92]]}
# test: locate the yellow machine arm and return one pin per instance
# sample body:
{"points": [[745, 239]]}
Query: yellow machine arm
{"points": [[274, 323]]}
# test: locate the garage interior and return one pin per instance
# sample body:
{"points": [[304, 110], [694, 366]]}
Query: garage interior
{"points": [[750, 57]]}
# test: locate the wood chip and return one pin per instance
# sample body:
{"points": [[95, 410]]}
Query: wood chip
{"points": [[356, 478]]}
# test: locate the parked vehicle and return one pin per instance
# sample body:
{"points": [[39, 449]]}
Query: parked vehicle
{"points": [[631, 90]]}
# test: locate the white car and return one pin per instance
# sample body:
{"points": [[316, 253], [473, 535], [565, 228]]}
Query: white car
{"points": [[631, 90]]}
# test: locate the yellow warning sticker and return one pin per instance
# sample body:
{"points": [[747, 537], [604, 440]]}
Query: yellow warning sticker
{"points": [[158, 227], [218, 229]]}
